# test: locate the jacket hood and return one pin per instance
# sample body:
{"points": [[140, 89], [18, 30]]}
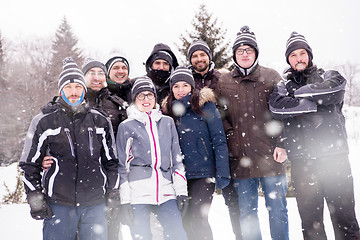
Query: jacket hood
{"points": [[162, 47], [134, 113]]}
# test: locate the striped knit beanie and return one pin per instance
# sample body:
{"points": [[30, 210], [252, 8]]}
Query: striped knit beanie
{"points": [[245, 37], [142, 84], [91, 63], [297, 41], [70, 74], [182, 74], [110, 63], [199, 45]]}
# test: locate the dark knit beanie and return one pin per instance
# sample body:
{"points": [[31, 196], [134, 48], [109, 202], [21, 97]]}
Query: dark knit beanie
{"points": [[70, 74], [182, 74], [162, 55], [199, 45], [161, 47], [245, 37], [297, 41], [91, 63], [142, 84], [110, 63]]}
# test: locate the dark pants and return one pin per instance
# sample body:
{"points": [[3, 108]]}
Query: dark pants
{"points": [[114, 227], [328, 178], [195, 221], [231, 201]]}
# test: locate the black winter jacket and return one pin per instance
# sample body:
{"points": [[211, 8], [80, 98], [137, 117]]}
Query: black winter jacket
{"points": [[83, 149], [310, 105], [209, 80]]}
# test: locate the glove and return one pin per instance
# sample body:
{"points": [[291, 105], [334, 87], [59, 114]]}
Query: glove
{"points": [[183, 204], [127, 216], [113, 203], [222, 182], [39, 209]]}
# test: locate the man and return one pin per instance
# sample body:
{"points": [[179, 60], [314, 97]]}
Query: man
{"points": [[159, 65], [118, 82], [70, 196], [205, 75], [310, 103], [202, 67], [255, 156]]}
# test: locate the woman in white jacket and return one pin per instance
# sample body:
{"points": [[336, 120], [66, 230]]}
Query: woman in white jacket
{"points": [[152, 175]]}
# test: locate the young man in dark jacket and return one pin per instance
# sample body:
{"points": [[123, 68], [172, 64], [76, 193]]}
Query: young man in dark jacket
{"points": [[159, 65], [70, 196], [309, 101], [255, 155]]}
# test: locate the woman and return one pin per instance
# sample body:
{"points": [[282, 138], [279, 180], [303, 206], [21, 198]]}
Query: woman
{"points": [[203, 144], [152, 177]]}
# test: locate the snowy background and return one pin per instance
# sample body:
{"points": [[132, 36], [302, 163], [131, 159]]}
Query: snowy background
{"points": [[16, 222]]}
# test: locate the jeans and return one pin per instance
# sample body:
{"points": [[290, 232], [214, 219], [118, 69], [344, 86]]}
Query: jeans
{"points": [[325, 178], [88, 223], [168, 215], [196, 221], [274, 189]]}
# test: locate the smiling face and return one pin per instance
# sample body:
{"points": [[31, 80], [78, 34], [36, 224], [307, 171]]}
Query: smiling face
{"points": [[145, 101], [119, 72], [245, 56], [299, 59], [95, 79], [200, 61], [181, 89], [72, 91]]}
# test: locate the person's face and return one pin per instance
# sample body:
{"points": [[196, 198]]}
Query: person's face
{"points": [[95, 79], [72, 91], [299, 59], [245, 56], [145, 101], [119, 72], [181, 89], [160, 64], [200, 61]]}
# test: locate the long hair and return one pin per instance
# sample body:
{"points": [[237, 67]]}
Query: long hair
{"points": [[194, 103]]}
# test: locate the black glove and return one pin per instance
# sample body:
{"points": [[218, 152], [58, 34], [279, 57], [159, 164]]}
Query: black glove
{"points": [[113, 203], [127, 216], [183, 204], [39, 209]]}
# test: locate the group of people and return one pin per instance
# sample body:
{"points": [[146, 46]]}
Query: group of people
{"points": [[110, 150]]}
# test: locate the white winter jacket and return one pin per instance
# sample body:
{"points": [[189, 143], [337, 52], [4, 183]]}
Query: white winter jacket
{"points": [[151, 168]]}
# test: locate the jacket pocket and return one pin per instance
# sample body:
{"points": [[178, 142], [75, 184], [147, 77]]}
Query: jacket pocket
{"points": [[67, 132]]}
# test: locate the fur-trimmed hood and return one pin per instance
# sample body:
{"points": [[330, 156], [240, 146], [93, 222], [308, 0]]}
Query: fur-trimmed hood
{"points": [[205, 95]]}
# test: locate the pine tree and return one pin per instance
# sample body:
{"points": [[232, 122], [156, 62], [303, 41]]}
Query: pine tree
{"points": [[64, 45], [2, 63], [206, 28]]}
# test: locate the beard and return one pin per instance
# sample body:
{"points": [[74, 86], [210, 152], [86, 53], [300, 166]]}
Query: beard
{"points": [[206, 66]]}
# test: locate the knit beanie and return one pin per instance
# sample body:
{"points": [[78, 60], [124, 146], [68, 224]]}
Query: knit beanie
{"points": [[182, 74], [91, 63], [162, 55], [245, 37], [70, 74], [142, 84], [199, 45], [110, 63], [297, 41]]}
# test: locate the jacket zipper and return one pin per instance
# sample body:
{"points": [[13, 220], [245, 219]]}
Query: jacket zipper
{"points": [[90, 130], [156, 160], [203, 142], [67, 131]]}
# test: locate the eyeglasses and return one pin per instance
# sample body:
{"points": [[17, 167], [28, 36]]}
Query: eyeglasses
{"points": [[99, 74], [241, 51], [142, 96]]}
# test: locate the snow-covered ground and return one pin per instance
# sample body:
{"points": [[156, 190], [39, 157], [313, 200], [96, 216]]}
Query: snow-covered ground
{"points": [[16, 223]]}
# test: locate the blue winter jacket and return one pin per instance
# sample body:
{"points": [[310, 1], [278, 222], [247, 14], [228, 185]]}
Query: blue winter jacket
{"points": [[202, 138]]}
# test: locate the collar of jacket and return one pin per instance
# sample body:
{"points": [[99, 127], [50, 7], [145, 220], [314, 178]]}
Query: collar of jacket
{"points": [[247, 71], [134, 113], [254, 76]]}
